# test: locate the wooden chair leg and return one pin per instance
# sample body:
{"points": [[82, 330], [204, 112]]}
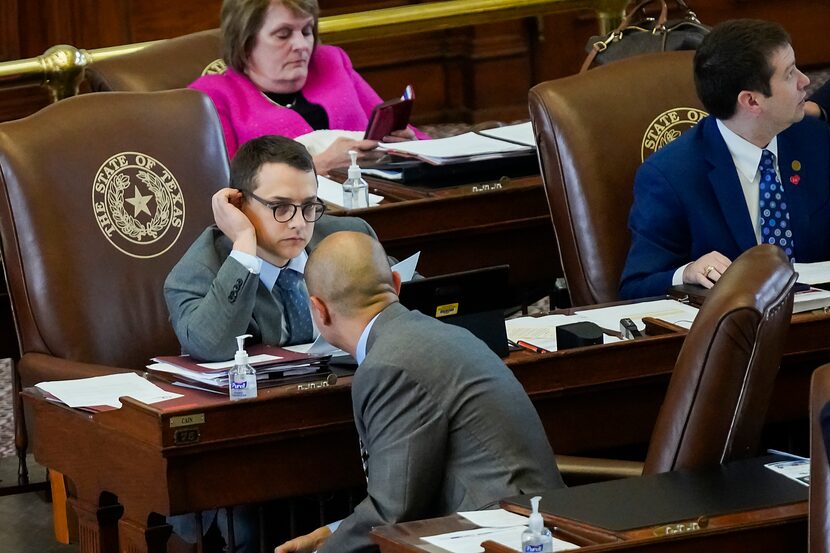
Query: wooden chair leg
{"points": [[59, 515]]}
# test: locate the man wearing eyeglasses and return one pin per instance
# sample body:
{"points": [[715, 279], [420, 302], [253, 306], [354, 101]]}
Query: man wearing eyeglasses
{"points": [[243, 275]]}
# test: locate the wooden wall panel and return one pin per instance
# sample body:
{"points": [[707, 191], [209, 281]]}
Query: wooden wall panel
{"points": [[9, 37], [806, 21], [469, 75]]}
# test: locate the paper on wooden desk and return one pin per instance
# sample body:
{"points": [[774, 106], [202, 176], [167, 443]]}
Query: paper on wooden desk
{"points": [[494, 518], [462, 146], [671, 311], [105, 390], [331, 192], [541, 331], [469, 541], [521, 133], [813, 273]]}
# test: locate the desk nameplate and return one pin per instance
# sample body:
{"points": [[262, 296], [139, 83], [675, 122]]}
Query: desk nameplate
{"points": [[187, 420]]}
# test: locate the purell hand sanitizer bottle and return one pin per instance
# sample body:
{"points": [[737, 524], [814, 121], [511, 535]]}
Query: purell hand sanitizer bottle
{"points": [[242, 377], [536, 537], [355, 189]]}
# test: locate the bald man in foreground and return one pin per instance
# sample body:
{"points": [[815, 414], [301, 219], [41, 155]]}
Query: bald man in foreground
{"points": [[444, 425]]}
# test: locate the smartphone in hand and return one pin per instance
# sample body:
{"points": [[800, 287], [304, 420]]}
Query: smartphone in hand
{"points": [[392, 115]]}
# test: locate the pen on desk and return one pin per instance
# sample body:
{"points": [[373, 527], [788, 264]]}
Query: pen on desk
{"points": [[531, 347]]}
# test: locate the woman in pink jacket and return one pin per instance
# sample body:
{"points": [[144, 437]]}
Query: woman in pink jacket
{"points": [[280, 81]]}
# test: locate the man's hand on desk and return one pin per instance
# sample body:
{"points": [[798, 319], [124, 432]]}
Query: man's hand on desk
{"points": [[305, 544], [707, 270]]}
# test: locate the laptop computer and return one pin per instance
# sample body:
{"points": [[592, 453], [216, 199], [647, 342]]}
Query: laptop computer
{"points": [[474, 299]]}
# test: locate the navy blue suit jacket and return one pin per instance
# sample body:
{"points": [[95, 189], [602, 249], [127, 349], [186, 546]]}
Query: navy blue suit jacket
{"points": [[688, 202]]}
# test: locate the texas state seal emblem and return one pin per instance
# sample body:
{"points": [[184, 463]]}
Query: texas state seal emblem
{"points": [[138, 204], [667, 126]]}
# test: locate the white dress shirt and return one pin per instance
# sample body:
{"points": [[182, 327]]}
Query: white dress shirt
{"points": [[747, 157]]}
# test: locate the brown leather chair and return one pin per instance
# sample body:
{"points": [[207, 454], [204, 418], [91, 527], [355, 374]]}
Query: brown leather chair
{"points": [[819, 468], [100, 195], [173, 63], [593, 130], [720, 389], [723, 379]]}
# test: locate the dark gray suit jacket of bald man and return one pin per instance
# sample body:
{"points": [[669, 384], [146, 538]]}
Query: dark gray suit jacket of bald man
{"points": [[445, 424]]}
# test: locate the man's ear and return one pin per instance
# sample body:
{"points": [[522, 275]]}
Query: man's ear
{"points": [[748, 101], [321, 310], [396, 281]]}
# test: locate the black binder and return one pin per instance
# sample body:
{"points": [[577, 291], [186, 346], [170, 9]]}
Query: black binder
{"points": [[418, 172]]}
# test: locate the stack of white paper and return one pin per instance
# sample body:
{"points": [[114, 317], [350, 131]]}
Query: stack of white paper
{"points": [[454, 149], [498, 525], [671, 311], [105, 390]]}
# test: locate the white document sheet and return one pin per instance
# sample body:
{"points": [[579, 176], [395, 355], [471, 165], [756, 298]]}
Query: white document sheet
{"points": [[406, 268], [539, 331], [813, 273], [494, 518], [319, 346], [463, 145], [225, 365], [668, 310], [469, 541], [521, 133], [798, 470], [331, 192], [808, 300], [105, 390]]}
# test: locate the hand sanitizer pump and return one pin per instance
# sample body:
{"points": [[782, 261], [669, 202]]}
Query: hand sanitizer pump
{"points": [[355, 189], [536, 538], [242, 377]]}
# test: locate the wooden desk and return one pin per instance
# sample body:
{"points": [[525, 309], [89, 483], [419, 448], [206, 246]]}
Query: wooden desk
{"points": [[741, 506], [577, 392], [783, 529], [181, 456], [133, 453], [466, 227]]}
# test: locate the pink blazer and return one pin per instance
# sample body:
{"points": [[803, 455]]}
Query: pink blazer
{"points": [[332, 83]]}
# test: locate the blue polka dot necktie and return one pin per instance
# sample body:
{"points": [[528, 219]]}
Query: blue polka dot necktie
{"points": [[774, 215], [295, 304]]}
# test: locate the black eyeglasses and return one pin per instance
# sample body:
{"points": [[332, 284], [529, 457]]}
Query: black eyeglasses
{"points": [[285, 211]]}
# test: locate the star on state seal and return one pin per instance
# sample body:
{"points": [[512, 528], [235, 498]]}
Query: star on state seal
{"points": [[138, 204], [667, 126]]}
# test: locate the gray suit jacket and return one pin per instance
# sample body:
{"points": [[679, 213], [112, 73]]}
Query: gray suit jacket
{"points": [[445, 424], [212, 298]]}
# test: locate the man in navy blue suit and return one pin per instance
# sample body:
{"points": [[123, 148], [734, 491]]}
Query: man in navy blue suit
{"points": [[699, 202]]}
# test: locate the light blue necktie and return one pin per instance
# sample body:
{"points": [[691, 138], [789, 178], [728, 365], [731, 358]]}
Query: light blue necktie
{"points": [[774, 215], [295, 304]]}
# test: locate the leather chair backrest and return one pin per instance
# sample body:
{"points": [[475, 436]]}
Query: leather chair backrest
{"points": [[819, 468], [721, 386], [173, 63], [593, 130], [100, 195]]}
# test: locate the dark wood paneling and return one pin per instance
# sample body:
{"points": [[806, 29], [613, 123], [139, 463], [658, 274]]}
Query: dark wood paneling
{"points": [[805, 20], [470, 75], [9, 38]]}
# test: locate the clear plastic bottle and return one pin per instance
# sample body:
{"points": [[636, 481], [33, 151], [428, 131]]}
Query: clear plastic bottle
{"points": [[355, 189], [536, 538], [242, 377]]}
